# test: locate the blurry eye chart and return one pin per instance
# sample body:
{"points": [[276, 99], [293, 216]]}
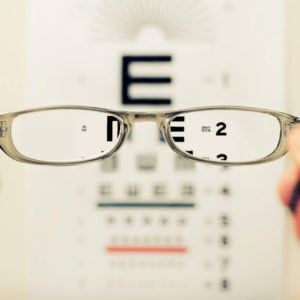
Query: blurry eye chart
{"points": [[146, 223]]}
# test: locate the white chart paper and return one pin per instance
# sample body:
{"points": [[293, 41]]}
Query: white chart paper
{"points": [[107, 230]]}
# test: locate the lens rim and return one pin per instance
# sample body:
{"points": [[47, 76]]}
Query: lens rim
{"points": [[7, 144], [286, 121]]}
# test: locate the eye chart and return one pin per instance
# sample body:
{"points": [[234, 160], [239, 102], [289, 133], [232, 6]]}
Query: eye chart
{"points": [[147, 224]]}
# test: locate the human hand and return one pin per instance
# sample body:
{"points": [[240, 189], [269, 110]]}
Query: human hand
{"points": [[289, 185]]}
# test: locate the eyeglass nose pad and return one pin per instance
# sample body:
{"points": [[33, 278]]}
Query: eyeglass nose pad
{"points": [[127, 131], [162, 137], [165, 134]]}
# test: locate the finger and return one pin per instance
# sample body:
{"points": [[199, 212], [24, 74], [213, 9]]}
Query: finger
{"points": [[293, 145], [289, 192], [287, 184], [297, 220]]}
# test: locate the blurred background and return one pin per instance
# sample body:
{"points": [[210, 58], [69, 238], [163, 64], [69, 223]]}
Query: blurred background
{"points": [[62, 236]]}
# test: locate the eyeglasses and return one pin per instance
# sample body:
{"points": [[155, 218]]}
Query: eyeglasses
{"points": [[70, 135]]}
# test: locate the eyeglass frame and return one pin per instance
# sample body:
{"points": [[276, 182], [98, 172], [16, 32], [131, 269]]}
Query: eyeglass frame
{"points": [[163, 119]]}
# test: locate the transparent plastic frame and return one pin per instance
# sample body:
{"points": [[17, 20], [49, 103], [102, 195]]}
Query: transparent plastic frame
{"points": [[163, 120]]}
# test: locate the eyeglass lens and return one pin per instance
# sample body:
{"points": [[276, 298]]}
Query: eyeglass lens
{"points": [[65, 135], [229, 135]]}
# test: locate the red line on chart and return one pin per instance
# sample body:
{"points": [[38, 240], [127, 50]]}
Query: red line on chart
{"points": [[123, 249]]}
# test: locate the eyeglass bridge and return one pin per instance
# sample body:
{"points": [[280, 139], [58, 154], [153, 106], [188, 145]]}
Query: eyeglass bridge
{"points": [[144, 117]]}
